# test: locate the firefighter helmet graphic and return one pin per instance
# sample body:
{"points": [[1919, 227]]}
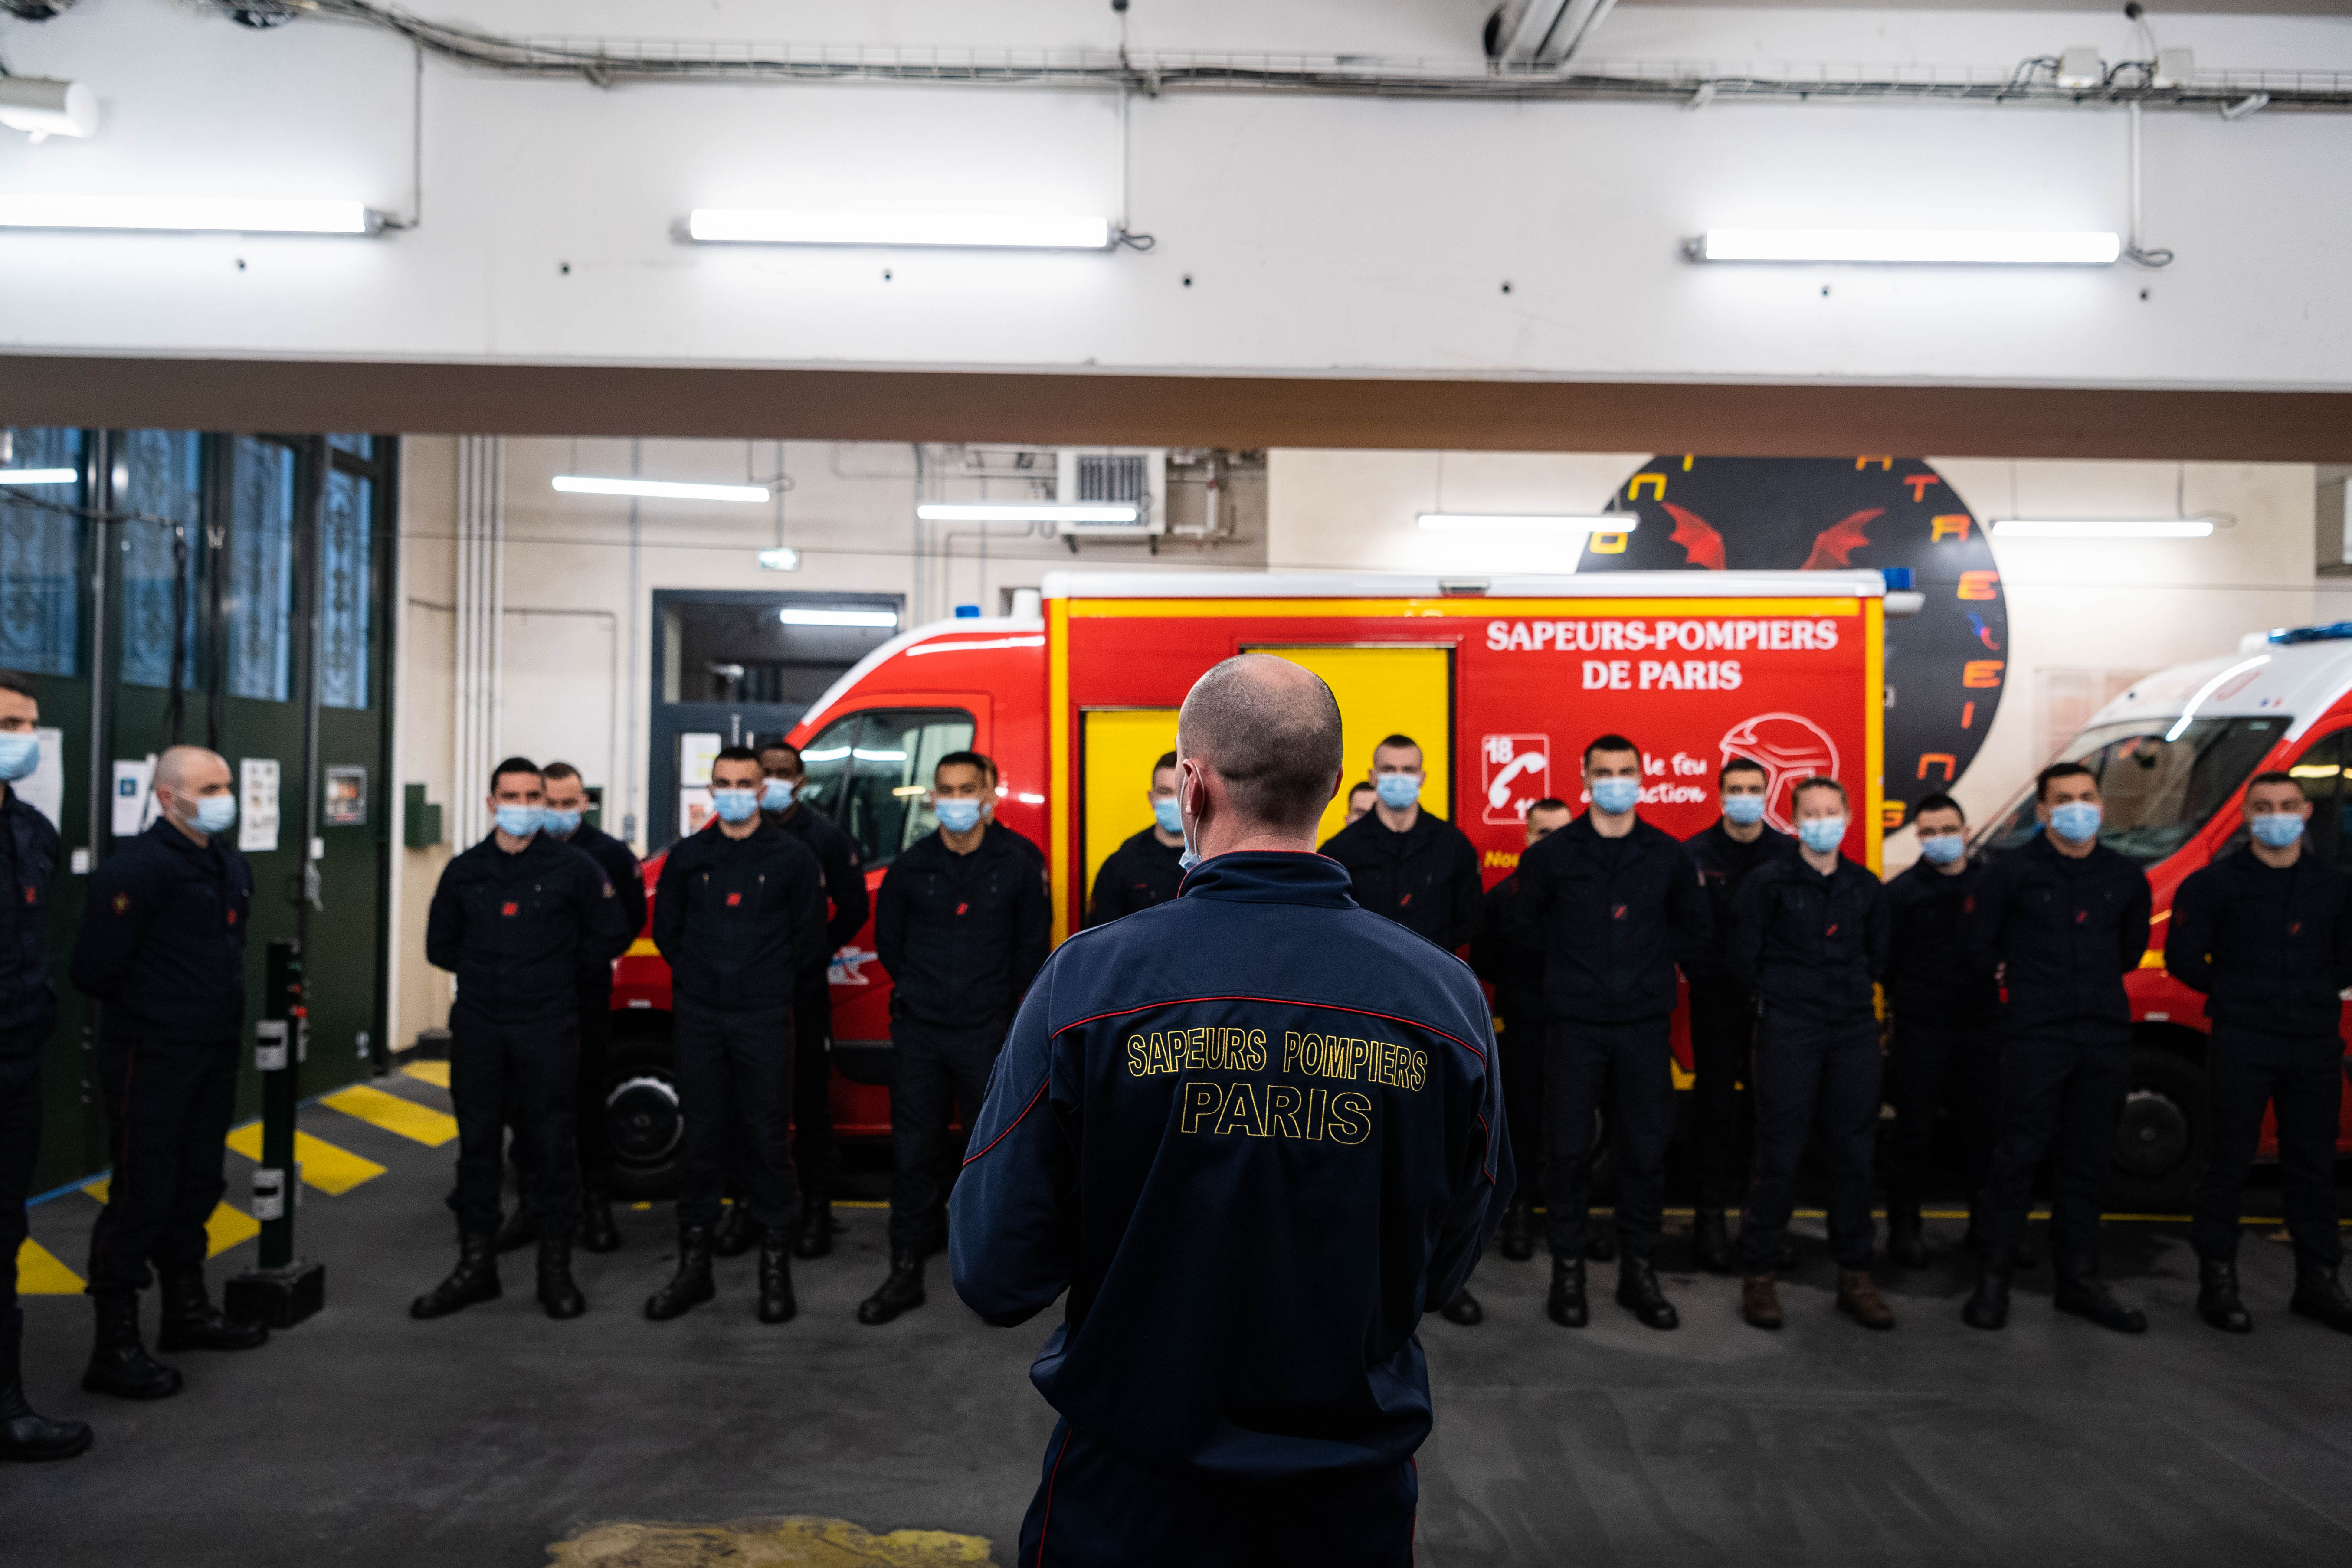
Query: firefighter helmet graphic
{"points": [[1791, 749]]}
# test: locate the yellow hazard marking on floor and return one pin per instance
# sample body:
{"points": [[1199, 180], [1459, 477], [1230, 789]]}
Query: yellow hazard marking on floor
{"points": [[436, 1073], [324, 1166], [38, 1272], [768, 1542], [228, 1226], [420, 1123]]}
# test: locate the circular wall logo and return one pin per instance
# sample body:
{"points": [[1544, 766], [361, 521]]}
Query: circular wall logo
{"points": [[1944, 666]]}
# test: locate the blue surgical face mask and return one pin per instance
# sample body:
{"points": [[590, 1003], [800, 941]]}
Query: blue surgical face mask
{"points": [[562, 824], [776, 795], [957, 816], [2278, 829], [1616, 795], [1168, 813], [215, 813], [1821, 835], [1397, 791], [1944, 848], [734, 805], [20, 754], [519, 821], [1743, 810], [2076, 822]]}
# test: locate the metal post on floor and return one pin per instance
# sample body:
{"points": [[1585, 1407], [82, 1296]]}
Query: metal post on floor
{"points": [[285, 1290]]}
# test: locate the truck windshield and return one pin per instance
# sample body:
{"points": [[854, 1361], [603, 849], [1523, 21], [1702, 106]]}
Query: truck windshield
{"points": [[2159, 781]]}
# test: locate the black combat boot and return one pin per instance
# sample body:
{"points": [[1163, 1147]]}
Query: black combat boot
{"points": [[902, 1292], [2319, 1297], [476, 1279], [119, 1363], [1518, 1238], [558, 1297], [1566, 1306], [521, 1229], [25, 1432], [191, 1322], [2085, 1295], [1906, 1239], [815, 1235], [734, 1234], [1638, 1292], [777, 1302], [597, 1231], [691, 1285], [2217, 1301], [1463, 1309], [1711, 1241], [1988, 1307]]}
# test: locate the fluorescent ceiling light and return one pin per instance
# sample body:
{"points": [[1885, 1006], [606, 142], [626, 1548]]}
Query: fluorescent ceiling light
{"points": [[2103, 528], [1028, 511], [218, 214], [38, 476], [660, 489], [798, 617], [1530, 523], [753, 226], [1949, 246], [782, 558], [46, 107]]}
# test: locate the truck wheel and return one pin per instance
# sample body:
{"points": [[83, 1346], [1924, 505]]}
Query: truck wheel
{"points": [[647, 1127], [2164, 1138]]}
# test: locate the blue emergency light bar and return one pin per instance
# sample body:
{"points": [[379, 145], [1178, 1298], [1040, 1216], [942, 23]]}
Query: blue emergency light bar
{"points": [[2336, 631]]}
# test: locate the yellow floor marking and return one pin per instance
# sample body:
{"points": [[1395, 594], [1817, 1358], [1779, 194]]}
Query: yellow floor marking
{"points": [[434, 1073], [420, 1123], [324, 1166], [228, 1227], [798, 1538], [38, 1272]]}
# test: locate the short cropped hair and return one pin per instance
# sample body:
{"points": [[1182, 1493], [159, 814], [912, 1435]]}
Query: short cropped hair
{"points": [[2056, 771], [1819, 782], [560, 770], [1396, 743], [768, 746], [1167, 760], [2274, 776], [1609, 744], [1360, 787], [514, 765], [972, 760], [22, 685], [1927, 803], [1739, 765], [737, 755], [1549, 803], [1270, 729]]}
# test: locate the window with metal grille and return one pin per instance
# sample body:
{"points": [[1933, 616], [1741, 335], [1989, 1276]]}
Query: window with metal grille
{"points": [[1112, 476]]}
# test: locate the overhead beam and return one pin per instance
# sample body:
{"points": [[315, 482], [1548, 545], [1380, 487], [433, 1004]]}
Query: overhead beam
{"points": [[1543, 32]]}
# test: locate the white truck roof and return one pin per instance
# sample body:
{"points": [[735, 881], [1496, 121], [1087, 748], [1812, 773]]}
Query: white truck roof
{"points": [[2296, 681]]}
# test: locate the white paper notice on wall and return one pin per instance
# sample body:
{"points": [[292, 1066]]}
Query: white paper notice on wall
{"points": [[45, 788], [134, 783], [256, 805]]}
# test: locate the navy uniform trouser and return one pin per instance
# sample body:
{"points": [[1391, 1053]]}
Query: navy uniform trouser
{"points": [[524, 1075], [733, 1070], [1521, 1042], [1810, 1076], [1096, 1509], [2304, 1079], [2061, 1098], [168, 1107], [810, 1086], [20, 1145], [591, 1096], [937, 1071], [1929, 1066], [1722, 1028], [1628, 1069]]}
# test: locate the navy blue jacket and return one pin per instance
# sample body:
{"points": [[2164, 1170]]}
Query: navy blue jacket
{"points": [[1139, 873], [1724, 863], [2068, 929], [961, 935], [1254, 1133], [628, 874], [162, 937], [1510, 958], [845, 879], [1616, 916], [1425, 879], [2270, 949], [28, 1002], [741, 921], [1932, 982], [517, 929], [1810, 947]]}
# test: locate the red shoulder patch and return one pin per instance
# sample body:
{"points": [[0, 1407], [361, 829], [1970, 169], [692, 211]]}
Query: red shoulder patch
{"points": [[510, 909], [733, 899]]}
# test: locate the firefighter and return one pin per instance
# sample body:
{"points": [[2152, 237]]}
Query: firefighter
{"points": [[516, 918], [2266, 935], [1617, 904], [1360, 797], [1406, 862], [29, 1012], [1143, 870], [161, 948], [1250, 1195], [961, 926], [740, 918], [1809, 940], [1722, 1011], [2066, 918], [1943, 1045]]}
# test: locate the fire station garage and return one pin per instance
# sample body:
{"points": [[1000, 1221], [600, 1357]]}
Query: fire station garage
{"points": [[1824, 530]]}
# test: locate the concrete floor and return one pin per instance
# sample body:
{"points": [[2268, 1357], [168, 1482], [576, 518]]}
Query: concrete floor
{"points": [[362, 1437]]}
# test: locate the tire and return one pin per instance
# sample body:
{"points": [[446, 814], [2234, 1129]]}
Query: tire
{"points": [[2165, 1137], [647, 1129]]}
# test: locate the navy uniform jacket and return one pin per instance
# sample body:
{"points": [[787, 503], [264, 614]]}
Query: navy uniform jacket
{"points": [[741, 921], [1424, 878], [1139, 873], [162, 937], [1724, 863], [1616, 916], [1254, 1133], [2068, 930], [2269, 949], [517, 929], [626, 872], [28, 1002], [845, 879], [1932, 982], [961, 935], [1510, 957], [1810, 947]]}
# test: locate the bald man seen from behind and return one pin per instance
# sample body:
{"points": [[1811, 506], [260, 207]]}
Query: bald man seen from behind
{"points": [[1254, 1133], [162, 950]]}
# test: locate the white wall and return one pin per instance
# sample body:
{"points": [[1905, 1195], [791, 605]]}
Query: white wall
{"points": [[1321, 235]]}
